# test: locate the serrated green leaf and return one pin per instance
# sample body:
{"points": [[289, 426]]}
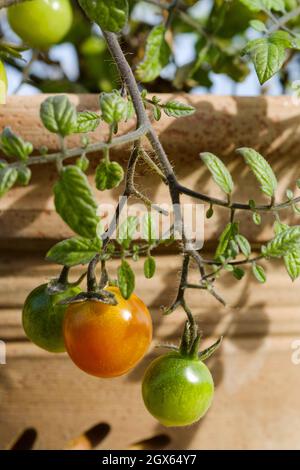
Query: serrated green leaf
{"points": [[149, 267], [284, 242], [259, 273], [261, 169], [59, 115], [268, 53], [108, 175], [230, 231], [156, 113], [291, 259], [219, 172], [175, 108], [14, 146], [127, 231], [8, 177], [238, 273], [157, 54], [126, 279], [110, 15], [75, 203], [87, 121], [74, 251], [243, 244], [24, 175], [256, 218], [114, 107]]}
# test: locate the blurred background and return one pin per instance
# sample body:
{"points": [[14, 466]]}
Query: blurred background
{"points": [[82, 64]]}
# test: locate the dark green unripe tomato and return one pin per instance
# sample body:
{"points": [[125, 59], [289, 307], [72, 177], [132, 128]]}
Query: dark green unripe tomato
{"points": [[43, 317], [41, 23], [177, 390]]}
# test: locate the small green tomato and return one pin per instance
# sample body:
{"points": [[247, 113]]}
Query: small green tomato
{"points": [[177, 389], [41, 23]]}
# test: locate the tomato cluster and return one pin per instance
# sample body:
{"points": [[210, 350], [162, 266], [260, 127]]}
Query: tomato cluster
{"points": [[107, 340]]}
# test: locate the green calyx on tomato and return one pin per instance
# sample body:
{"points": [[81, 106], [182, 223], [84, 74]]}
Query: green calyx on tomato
{"points": [[41, 23], [43, 317], [178, 387], [3, 83]]}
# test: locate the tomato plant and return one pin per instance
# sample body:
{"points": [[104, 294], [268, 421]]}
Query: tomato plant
{"points": [[43, 317], [41, 23], [107, 340], [106, 331]]}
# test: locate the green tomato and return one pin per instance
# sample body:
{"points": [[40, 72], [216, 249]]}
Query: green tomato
{"points": [[177, 390], [41, 23], [43, 317], [3, 83]]}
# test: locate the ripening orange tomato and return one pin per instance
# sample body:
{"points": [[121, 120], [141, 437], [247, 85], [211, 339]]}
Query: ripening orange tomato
{"points": [[107, 340]]}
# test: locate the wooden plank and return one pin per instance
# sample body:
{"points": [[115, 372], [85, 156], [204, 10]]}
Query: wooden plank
{"points": [[255, 407]]}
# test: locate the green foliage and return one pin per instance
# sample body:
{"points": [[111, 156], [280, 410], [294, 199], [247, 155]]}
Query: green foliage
{"points": [[75, 203], [14, 146], [261, 170], [87, 121], [224, 249], [259, 272], [113, 107], [157, 54], [111, 15], [108, 175], [59, 115], [268, 53], [219, 172], [24, 175], [243, 244], [8, 177], [126, 279], [292, 258], [176, 109], [149, 267], [74, 251], [284, 242], [149, 228]]}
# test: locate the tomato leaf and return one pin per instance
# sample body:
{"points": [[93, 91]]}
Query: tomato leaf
{"points": [[75, 203], [114, 108], [149, 267], [227, 235], [110, 15], [8, 177], [157, 54], [259, 273], [268, 53], [87, 121], [284, 242], [175, 108], [59, 115], [243, 244], [74, 251], [126, 279], [258, 5], [220, 174], [24, 175], [14, 146], [108, 175], [261, 169]]}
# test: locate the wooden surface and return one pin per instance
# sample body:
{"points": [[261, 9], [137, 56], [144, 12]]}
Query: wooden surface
{"points": [[257, 402], [220, 125]]}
